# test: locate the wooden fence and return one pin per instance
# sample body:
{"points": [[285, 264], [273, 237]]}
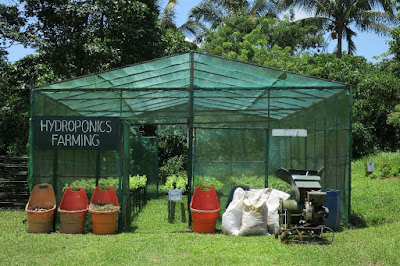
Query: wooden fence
{"points": [[13, 182], [137, 198]]}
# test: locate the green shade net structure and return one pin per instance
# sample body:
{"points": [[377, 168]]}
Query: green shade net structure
{"points": [[229, 110]]}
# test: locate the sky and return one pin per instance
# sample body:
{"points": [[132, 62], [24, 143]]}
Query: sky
{"points": [[368, 44]]}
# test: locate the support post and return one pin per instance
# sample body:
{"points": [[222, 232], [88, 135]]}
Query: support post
{"points": [[55, 160], [31, 143], [190, 135], [267, 142], [350, 153], [97, 167]]}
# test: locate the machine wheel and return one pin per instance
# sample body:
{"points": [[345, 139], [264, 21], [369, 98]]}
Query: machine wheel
{"points": [[284, 237]]}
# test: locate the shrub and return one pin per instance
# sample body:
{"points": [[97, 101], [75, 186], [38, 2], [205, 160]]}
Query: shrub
{"points": [[137, 181], [174, 166]]}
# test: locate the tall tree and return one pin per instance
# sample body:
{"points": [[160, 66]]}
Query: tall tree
{"points": [[11, 29], [174, 33], [18, 78], [82, 37], [167, 16], [174, 40], [338, 16]]}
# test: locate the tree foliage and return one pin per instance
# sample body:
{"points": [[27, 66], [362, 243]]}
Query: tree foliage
{"points": [[214, 12], [252, 40], [82, 37], [12, 29], [210, 14], [173, 42], [15, 101], [338, 17]]}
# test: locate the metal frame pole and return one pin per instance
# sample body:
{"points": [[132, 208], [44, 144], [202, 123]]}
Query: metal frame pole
{"points": [[267, 142], [31, 142], [350, 152], [190, 135]]}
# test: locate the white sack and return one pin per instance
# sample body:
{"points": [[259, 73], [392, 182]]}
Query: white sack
{"points": [[254, 212], [272, 206], [232, 218]]}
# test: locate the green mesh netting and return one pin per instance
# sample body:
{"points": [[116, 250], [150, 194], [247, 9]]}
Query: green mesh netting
{"points": [[144, 159], [228, 109]]}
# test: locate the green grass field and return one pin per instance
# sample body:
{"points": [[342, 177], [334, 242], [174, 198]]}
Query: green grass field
{"points": [[374, 238]]}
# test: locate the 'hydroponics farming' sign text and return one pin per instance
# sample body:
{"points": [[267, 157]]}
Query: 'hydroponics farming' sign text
{"points": [[72, 132]]}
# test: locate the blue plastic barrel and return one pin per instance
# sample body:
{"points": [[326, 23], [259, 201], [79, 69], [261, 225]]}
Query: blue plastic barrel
{"points": [[333, 204]]}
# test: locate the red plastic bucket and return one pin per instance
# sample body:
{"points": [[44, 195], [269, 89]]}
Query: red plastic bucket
{"points": [[104, 222], [72, 210], [204, 207], [40, 209]]}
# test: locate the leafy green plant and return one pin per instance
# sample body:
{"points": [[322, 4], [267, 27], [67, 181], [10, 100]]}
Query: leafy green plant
{"points": [[172, 166], [180, 181], [373, 175], [386, 171], [89, 184], [137, 181], [110, 181], [277, 183], [209, 181]]}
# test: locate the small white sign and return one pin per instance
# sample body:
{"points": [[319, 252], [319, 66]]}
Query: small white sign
{"points": [[289, 132], [175, 194], [370, 167]]}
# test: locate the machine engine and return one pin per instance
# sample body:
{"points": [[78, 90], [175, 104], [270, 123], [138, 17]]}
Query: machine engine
{"points": [[303, 214]]}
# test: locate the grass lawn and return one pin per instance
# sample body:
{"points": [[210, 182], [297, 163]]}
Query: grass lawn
{"points": [[172, 244], [155, 241]]}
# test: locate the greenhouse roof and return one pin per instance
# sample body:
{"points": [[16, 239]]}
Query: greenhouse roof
{"points": [[215, 83]]}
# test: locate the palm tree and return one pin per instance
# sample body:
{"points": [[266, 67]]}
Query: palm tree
{"points": [[211, 13], [168, 15], [189, 28], [338, 16]]}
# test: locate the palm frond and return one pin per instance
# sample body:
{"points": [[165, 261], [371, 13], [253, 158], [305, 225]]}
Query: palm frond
{"points": [[378, 28], [168, 15], [194, 30], [206, 12], [386, 5], [263, 8], [232, 7], [306, 5], [349, 34], [319, 22], [325, 8], [377, 16]]}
